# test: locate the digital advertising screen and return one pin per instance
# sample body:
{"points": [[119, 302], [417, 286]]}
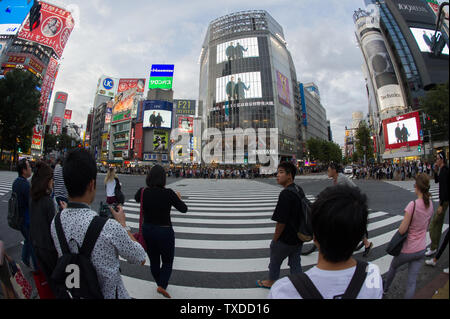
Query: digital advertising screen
{"points": [[157, 119], [160, 140], [237, 49], [161, 76], [186, 124], [127, 95], [238, 87], [284, 93], [402, 130], [424, 39], [12, 14]]}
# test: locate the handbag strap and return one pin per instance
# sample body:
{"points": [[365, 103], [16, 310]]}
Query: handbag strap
{"points": [[412, 215]]}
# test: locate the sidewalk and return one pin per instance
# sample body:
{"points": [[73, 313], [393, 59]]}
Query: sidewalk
{"points": [[436, 289]]}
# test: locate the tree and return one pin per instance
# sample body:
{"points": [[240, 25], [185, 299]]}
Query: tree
{"points": [[19, 110], [435, 105], [364, 143], [324, 151]]}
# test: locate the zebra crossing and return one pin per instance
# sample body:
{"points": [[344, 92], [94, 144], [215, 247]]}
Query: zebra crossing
{"points": [[6, 180], [222, 243], [409, 186]]}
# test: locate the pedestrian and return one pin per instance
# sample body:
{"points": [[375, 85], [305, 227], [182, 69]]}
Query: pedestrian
{"points": [[60, 190], [110, 186], [5, 275], [21, 187], [159, 236], [433, 261], [339, 220], [115, 238], [285, 242], [417, 218], [42, 211], [441, 177]]}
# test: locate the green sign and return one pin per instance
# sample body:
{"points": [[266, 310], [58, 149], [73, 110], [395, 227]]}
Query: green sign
{"points": [[160, 82]]}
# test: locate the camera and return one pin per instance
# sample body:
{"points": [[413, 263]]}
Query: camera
{"points": [[104, 210]]}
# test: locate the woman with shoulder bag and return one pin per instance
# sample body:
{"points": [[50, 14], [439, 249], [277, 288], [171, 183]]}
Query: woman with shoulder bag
{"points": [[157, 230], [417, 218], [110, 185]]}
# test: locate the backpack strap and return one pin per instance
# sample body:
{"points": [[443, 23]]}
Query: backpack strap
{"points": [[60, 233], [92, 234], [358, 279], [305, 286]]}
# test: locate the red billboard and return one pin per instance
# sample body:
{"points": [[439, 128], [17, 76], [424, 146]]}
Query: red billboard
{"points": [[402, 131], [126, 97], [186, 124], [54, 31], [68, 114], [56, 127]]}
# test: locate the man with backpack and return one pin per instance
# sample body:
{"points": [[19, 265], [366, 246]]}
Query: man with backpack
{"points": [[288, 215], [339, 220], [89, 246], [19, 210]]}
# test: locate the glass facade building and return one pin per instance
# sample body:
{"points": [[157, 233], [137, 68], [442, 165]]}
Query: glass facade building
{"points": [[248, 79]]}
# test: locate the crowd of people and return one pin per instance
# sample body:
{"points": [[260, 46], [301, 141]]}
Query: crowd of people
{"points": [[392, 171], [60, 228]]}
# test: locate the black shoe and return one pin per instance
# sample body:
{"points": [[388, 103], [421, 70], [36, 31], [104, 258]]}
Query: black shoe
{"points": [[367, 250], [359, 246], [311, 250]]}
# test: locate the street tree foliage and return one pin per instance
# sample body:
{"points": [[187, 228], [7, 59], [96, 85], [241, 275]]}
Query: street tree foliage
{"points": [[364, 143], [324, 151], [435, 104], [19, 110], [59, 143]]}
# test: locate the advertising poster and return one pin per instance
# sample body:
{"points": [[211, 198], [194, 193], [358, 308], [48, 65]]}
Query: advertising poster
{"points": [[402, 130], [68, 114], [56, 126], [237, 49], [186, 124], [107, 86], [284, 93], [160, 140], [236, 87], [157, 114], [127, 96], [121, 117], [185, 107], [424, 39], [12, 14]]}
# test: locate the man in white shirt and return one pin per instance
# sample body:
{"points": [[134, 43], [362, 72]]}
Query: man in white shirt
{"points": [[336, 235]]}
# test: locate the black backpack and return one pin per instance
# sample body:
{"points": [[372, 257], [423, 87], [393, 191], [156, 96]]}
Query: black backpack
{"points": [[118, 192], [304, 228], [307, 290], [15, 218], [89, 287]]}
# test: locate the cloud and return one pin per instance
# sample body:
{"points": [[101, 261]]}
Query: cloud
{"points": [[123, 39]]}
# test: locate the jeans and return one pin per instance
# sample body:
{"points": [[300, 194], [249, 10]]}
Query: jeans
{"points": [[415, 262], [27, 249], [278, 253], [160, 247], [436, 227]]}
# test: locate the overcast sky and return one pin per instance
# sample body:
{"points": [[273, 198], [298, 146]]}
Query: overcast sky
{"points": [[123, 38]]}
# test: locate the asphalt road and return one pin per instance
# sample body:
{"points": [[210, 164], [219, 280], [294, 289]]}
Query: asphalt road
{"points": [[382, 197]]}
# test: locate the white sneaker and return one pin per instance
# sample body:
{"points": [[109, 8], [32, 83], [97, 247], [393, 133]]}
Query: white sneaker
{"points": [[430, 262], [430, 252], [446, 270]]}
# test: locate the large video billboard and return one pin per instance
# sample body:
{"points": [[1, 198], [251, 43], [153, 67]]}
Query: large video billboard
{"points": [[157, 114], [403, 130], [238, 87], [160, 140], [54, 30], [12, 14], [237, 49], [424, 38]]}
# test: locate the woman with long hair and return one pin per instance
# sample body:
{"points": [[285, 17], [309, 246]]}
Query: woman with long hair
{"points": [[42, 211], [416, 221], [110, 185], [157, 201]]}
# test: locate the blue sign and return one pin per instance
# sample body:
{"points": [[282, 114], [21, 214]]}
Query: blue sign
{"points": [[14, 11], [162, 70], [108, 84], [421, 133], [303, 102], [157, 105]]}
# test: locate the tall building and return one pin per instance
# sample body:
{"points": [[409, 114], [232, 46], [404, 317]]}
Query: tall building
{"points": [[316, 115], [248, 79], [59, 108]]}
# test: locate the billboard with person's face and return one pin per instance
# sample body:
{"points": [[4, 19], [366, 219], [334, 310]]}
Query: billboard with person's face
{"points": [[424, 39], [237, 49], [127, 97], [403, 130], [238, 87], [160, 140]]}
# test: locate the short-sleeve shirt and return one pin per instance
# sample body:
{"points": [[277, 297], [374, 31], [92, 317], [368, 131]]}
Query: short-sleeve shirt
{"points": [[332, 284], [417, 231]]}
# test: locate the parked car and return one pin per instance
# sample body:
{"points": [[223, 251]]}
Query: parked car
{"points": [[348, 170]]}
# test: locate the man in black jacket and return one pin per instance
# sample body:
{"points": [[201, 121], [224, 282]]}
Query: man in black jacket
{"points": [[441, 177]]}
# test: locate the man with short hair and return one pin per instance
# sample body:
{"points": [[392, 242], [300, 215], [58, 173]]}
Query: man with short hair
{"points": [[339, 220], [115, 238], [21, 187], [285, 242], [441, 177]]}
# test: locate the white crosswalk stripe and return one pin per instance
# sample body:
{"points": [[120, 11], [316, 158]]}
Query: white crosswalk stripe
{"points": [[6, 180], [222, 243], [409, 186]]}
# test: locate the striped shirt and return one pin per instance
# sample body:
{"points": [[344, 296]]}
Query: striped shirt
{"points": [[59, 186]]}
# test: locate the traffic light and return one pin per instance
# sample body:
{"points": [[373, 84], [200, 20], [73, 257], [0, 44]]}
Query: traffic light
{"points": [[35, 15], [419, 148]]}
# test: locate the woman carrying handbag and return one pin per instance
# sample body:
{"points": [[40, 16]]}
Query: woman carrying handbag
{"points": [[415, 223]]}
